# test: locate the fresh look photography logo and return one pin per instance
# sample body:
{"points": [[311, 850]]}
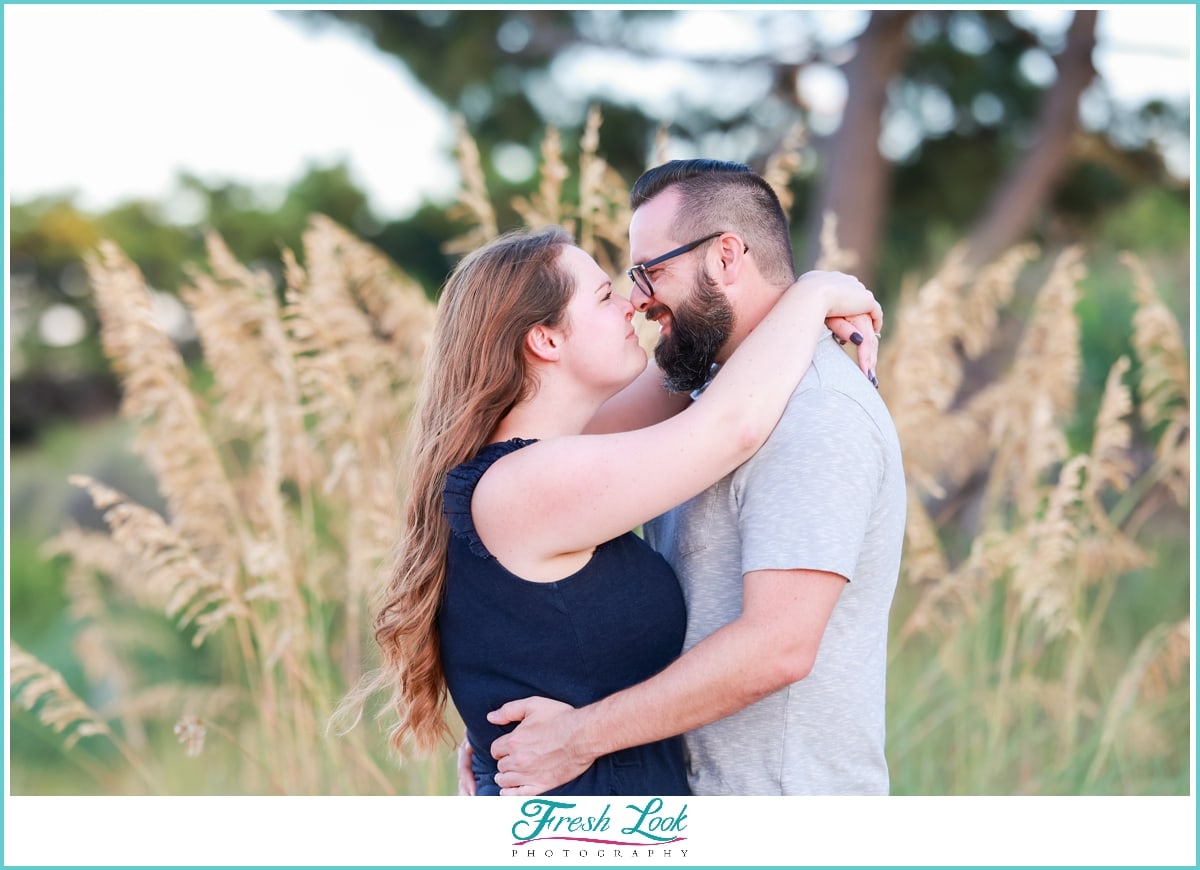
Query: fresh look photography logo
{"points": [[647, 829]]}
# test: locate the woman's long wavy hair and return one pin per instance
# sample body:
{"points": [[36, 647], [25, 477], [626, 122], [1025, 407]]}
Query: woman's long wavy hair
{"points": [[477, 370]]}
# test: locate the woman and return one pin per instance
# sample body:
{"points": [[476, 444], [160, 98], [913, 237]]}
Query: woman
{"points": [[517, 571]]}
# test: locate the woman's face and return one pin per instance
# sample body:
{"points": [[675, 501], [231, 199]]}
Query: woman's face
{"points": [[601, 346]]}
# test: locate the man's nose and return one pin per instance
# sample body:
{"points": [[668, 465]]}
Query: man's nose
{"points": [[638, 297]]}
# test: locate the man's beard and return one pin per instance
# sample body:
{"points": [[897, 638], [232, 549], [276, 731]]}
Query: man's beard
{"points": [[700, 326]]}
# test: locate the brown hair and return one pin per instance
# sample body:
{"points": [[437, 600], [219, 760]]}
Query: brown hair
{"points": [[476, 372]]}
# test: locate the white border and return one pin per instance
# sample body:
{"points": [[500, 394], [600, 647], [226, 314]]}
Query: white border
{"points": [[453, 831]]}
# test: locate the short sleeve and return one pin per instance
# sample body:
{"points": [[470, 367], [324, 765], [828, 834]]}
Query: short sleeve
{"points": [[461, 481]]}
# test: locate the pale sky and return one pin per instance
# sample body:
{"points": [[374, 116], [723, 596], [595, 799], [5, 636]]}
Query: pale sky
{"points": [[112, 100]]}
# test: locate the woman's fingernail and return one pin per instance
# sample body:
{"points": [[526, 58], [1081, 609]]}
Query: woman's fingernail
{"points": [[856, 338], [839, 340], [874, 380]]}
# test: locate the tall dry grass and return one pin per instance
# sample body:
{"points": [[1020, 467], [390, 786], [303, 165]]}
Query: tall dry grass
{"points": [[999, 652], [282, 478], [280, 483]]}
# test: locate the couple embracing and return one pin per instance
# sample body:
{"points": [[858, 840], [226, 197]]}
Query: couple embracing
{"points": [[740, 646]]}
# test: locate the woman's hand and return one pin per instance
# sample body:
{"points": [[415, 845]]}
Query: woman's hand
{"points": [[859, 331], [466, 776], [854, 314]]}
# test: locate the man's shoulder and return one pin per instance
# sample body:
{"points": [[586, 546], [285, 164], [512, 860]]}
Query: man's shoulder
{"points": [[834, 384], [833, 369], [835, 415]]}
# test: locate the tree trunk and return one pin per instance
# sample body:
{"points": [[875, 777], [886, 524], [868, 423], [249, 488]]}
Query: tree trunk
{"points": [[1018, 200], [854, 181]]}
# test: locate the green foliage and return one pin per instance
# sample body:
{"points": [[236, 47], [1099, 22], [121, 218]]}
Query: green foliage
{"points": [[1154, 220], [1106, 320], [1155, 223], [35, 588]]}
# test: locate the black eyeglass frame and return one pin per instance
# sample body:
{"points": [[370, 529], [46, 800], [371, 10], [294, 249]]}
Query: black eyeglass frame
{"points": [[640, 268]]}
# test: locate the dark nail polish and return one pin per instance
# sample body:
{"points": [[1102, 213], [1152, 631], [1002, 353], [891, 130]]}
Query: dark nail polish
{"points": [[839, 340], [856, 338], [874, 380]]}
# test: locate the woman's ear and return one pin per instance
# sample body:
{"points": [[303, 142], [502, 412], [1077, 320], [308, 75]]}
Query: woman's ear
{"points": [[544, 343]]}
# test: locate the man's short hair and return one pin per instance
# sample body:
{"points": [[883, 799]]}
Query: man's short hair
{"points": [[727, 196]]}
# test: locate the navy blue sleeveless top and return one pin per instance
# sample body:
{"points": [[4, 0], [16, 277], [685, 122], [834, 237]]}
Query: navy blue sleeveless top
{"points": [[615, 622]]}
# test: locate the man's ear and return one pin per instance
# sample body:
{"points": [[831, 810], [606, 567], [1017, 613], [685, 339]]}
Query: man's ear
{"points": [[733, 253], [544, 342]]}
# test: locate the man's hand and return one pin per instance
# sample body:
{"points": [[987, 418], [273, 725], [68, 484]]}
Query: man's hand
{"points": [[537, 756]]}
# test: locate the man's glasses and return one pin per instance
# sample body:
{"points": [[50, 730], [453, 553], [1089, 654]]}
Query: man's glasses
{"points": [[637, 274]]}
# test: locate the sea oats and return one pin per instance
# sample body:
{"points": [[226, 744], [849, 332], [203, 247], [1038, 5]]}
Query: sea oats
{"points": [[182, 581], [1047, 358], [603, 203], [989, 294], [1159, 345], [190, 731], [833, 257], [953, 316], [396, 304], [356, 391], [928, 380], [994, 556], [330, 366], [172, 434], [1044, 580], [924, 565], [1028, 441], [783, 165], [662, 145], [925, 558], [95, 558], [545, 208], [236, 314], [1161, 644], [345, 328], [1111, 463], [922, 374], [172, 699], [43, 691], [474, 203], [1167, 669], [1164, 384], [91, 553], [1037, 394]]}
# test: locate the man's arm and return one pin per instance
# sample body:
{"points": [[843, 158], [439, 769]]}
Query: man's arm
{"points": [[771, 645]]}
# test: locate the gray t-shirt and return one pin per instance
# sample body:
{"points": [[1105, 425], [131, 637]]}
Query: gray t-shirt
{"points": [[826, 492]]}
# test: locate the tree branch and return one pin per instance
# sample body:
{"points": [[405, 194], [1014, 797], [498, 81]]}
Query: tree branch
{"points": [[1026, 190], [854, 182]]}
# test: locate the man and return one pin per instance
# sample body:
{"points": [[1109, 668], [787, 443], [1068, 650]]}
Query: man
{"points": [[788, 565]]}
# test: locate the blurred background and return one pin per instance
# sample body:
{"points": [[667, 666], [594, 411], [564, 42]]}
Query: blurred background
{"points": [[923, 131]]}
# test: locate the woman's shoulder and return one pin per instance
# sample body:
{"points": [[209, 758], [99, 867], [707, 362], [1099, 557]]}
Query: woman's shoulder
{"points": [[459, 489]]}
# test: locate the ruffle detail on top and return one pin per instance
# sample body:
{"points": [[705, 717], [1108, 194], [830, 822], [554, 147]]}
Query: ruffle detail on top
{"points": [[460, 487]]}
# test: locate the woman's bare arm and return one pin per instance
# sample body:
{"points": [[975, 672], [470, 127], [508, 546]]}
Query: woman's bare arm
{"points": [[568, 494]]}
